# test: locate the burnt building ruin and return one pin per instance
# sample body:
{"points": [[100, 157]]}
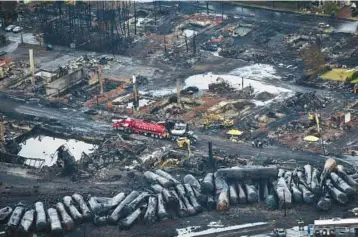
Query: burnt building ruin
{"points": [[95, 26]]}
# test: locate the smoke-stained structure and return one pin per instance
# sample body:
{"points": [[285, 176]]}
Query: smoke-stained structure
{"points": [[96, 26]]}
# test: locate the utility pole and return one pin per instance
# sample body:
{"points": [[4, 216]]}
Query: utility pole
{"points": [[135, 94], [127, 8], [207, 7], [211, 157], [186, 43], [155, 13], [222, 11], [100, 82], [32, 66], [178, 92], [135, 19], [2, 132], [242, 82], [284, 200], [194, 44], [165, 45]]}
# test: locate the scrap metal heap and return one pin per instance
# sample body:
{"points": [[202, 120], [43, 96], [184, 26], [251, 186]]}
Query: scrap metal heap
{"points": [[245, 185]]}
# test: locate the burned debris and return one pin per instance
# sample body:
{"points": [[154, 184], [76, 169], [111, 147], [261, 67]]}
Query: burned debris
{"points": [[107, 107], [246, 185]]}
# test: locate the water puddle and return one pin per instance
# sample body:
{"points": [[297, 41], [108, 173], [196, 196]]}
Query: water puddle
{"points": [[44, 147], [259, 76], [348, 27], [202, 81]]}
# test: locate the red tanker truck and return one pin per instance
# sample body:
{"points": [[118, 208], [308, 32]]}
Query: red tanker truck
{"points": [[168, 129]]}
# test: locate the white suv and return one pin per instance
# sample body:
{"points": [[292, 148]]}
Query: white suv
{"points": [[9, 28], [17, 29]]}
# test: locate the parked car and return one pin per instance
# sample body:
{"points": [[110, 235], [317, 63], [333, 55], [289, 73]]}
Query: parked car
{"points": [[280, 232], [9, 28], [17, 29], [91, 112], [323, 25], [2, 53]]}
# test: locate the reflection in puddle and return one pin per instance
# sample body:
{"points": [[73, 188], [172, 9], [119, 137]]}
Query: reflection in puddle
{"points": [[44, 147]]}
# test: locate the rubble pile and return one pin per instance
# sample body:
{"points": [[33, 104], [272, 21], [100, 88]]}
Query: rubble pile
{"points": [[189, 90], [229, 53], [86, 61], [308, 101], [113, 151], [226, 187], [264, 96], [13, 73], [183, 60], [220, 86]]}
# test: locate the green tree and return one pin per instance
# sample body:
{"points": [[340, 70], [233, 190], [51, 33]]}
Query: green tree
{"points": [[330, 7], [312, 57]]}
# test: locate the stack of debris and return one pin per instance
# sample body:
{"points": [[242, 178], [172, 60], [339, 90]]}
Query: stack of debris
{"points": [[229, 53], [113, 151], [264, 96], [308, 101], [184, 60], [220, 86], [86, 61]]}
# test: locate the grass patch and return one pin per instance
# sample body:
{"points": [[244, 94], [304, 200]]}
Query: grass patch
{"points": [[338, 74], [355, 81]]}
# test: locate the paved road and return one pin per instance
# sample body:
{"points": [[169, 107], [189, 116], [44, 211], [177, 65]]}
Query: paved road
{"points": [[265, 15], [245, 150], [71, 118]]}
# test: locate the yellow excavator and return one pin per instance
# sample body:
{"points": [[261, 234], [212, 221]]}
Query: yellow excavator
{"points": [[315, 117], [217, 120], [182, 142], [169, 162]]}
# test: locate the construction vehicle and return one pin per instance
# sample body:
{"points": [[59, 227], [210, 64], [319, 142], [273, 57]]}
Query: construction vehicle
{"points": [[65, 160], [234, 135], [169, 162], [184, 142], [314, 117], [162, 130], [217, 121], [349, 151]]}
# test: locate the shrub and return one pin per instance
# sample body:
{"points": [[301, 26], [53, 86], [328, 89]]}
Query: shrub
{"points": [[353, 77]]}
